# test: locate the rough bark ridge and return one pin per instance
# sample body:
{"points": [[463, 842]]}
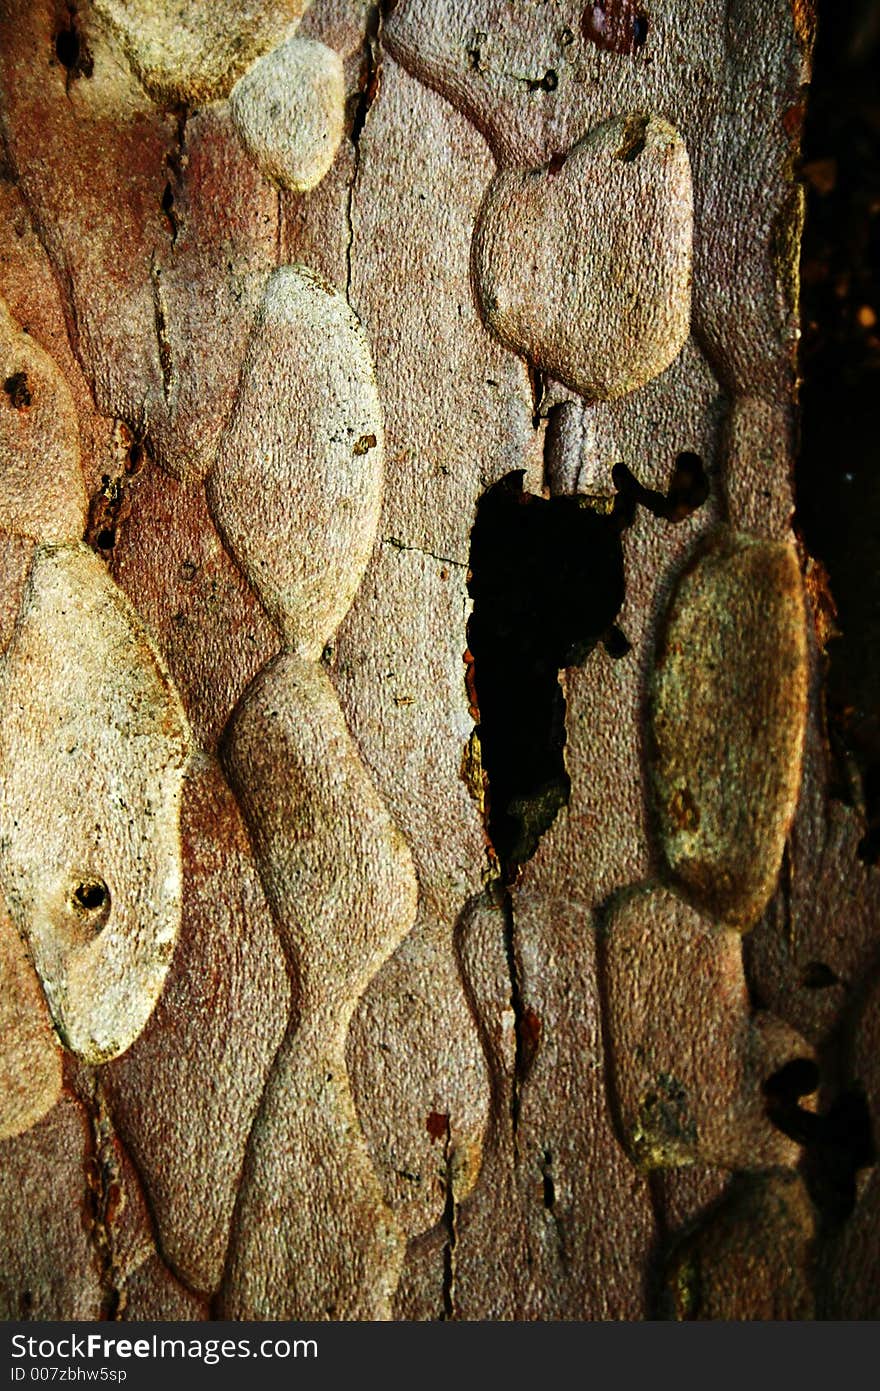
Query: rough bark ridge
{"points": [[412, 682]]}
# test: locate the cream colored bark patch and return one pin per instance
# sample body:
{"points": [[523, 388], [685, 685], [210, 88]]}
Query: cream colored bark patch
{"points": [[339, 878], [92, 746], [297, 486], [728, 709], [289, 110], [42, 494], [583, 266], [186, 51]]}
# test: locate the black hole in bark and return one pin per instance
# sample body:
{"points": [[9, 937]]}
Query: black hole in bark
{"points": [[841, 1145], [817, 976], [549, 1185], [869, 847], [71, 50], [837, 1144], [67, 49], [798, 1078], [105, 540], [616, 643], [688, 489], [91, 896], [17, 389], [546, 583]]}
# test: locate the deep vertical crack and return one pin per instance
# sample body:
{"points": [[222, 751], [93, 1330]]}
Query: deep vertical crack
{"points": [[166, 361], [175, 163], [450, 1215], [105, 1197], [368, 90]]}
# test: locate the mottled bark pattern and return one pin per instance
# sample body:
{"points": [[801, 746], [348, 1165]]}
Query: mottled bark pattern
{"points": [[284, 1033]]}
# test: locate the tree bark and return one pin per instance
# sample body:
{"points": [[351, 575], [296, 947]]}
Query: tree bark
{"points": [[427, 890]]}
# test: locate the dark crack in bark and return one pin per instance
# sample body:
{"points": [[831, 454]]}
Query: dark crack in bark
{"points": [[175, 163], [105, 1197], [368, 90], [166, 361], [450, 1215]]}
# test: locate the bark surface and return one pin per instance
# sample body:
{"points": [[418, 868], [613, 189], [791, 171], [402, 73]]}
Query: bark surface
{"points": [[426, 888]]}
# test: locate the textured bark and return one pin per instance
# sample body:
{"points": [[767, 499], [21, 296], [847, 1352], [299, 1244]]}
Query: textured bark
{"points": [[449, 685]]}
